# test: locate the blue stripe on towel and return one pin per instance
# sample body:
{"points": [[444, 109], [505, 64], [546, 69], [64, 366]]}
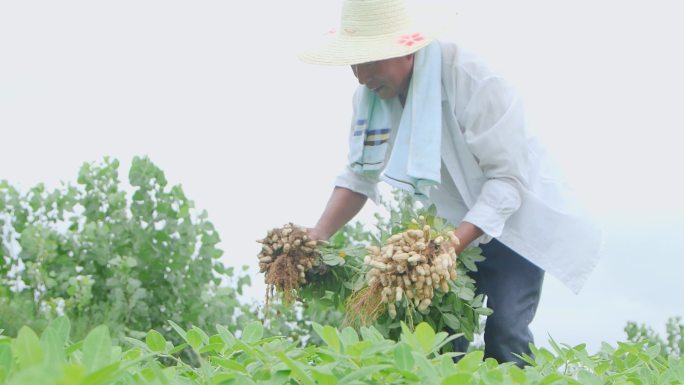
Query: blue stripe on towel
{"points": [[378, 131]]}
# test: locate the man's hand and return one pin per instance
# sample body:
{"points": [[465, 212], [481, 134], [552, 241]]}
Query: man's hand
{"points": [[465, 234], [451, 244], [315, 234]]}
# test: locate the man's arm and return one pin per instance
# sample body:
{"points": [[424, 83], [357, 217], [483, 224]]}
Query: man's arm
{"points": [[342, 206], [496, 135]]}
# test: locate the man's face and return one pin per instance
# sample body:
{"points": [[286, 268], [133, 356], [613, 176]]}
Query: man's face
{"points": [[387, 78]]}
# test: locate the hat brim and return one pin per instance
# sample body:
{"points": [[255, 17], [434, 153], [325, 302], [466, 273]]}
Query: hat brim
{"points": [[345, 50], [340, 48]]}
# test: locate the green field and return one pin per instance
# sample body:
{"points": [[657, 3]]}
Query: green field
{"points": [[110, 284]]}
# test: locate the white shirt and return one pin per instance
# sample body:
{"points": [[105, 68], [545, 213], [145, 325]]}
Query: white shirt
{"points": [[503, 180]]}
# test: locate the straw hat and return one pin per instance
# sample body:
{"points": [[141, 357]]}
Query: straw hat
{"points": [[372, 30]]}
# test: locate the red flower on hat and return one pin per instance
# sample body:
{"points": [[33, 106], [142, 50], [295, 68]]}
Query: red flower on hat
{"points": [[409, 40]]}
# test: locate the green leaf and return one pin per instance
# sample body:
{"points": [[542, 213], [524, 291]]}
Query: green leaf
{"points": [[403, 357], [97, 349], [5, 358], [517, 375], [181, 332], [249, 350], [443, 338], [203, 335], [332, 259], [252, 332], [241, 379], [178, 348], [588, 378], [349, 336], [194, 338], [559, 351], [53, 347], [225, 334], [438, 223], [103, 375], [328, 296], [451, 321], [458, 379], [155, 341], [329, 335], [298, 370], [136, 343], [360, 348], [27, 348], [425, 370], [133, 354], [447, 366], [212, 348], [280, 377], [485, 311], [363, 372], [408, 336], [471, 361], [551, 378], [228, 364], [75, 347], [466, 294], [468, 264], [323, 378], [373, 335], [358, 284], [425, 336], [62, 327]]}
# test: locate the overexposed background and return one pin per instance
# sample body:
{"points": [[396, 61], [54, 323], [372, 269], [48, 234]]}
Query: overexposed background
{"points": [[212, 91]]}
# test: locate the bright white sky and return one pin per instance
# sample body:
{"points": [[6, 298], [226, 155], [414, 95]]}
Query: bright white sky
{"points": [[212, 91]]}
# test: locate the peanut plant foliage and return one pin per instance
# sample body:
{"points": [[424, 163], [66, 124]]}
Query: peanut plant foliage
{"points": [[345, 357]]}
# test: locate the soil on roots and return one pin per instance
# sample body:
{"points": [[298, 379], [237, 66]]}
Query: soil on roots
{"points": [[284, 275]]}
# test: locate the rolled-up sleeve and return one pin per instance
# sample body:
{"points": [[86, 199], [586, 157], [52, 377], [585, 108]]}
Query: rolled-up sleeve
{"points": [[358, 183], [494, 129]]}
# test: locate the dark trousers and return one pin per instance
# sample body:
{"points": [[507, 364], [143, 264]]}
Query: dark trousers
{"points": [[512, 286]]}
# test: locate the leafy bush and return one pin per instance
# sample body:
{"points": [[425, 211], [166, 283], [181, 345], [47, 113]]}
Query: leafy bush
{"points": [[671, 346], [92, 253]]}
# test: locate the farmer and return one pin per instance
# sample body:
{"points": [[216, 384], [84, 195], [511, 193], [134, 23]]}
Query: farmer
{"points": [[433, 119]]}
